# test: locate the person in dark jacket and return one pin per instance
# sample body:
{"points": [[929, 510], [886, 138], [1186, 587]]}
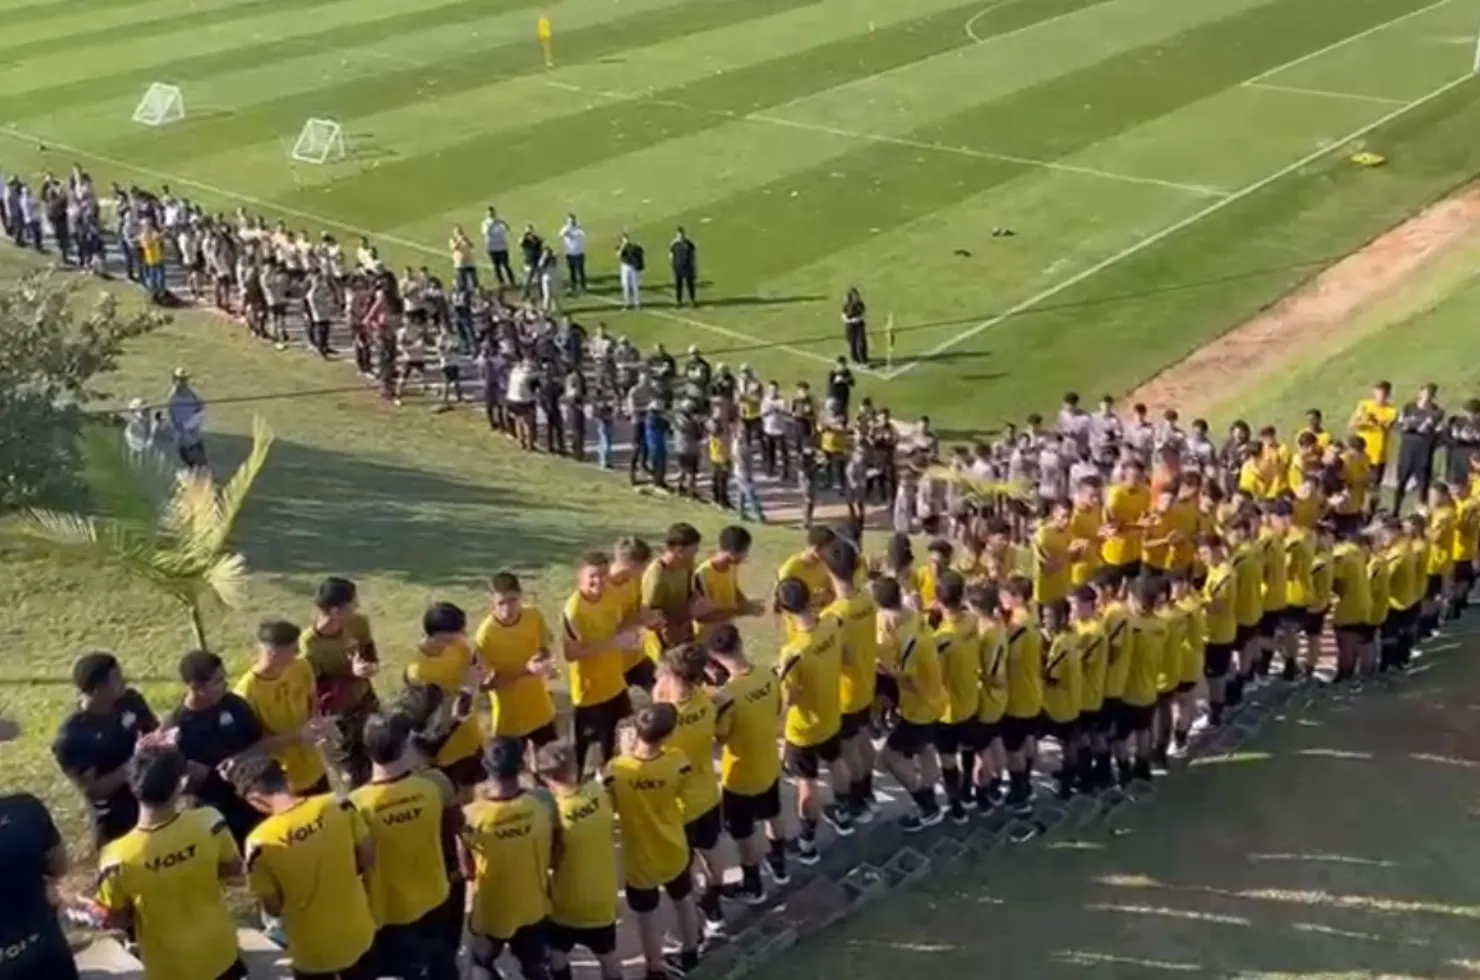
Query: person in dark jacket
{"points": [[1420, 428], [855, 330], [685, 257]]}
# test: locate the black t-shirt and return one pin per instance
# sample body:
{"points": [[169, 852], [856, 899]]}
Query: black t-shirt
{"points": [[210, 736], [29, 928], [840, 384], [103, 743]]}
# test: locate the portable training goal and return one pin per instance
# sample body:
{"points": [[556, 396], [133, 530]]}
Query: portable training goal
{"points": [[161, 104], [321, 141]]}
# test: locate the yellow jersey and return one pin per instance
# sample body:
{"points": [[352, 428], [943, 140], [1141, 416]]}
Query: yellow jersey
{"points": [[599, 677], [1374, 423], [448, 667], [1093, 650], [1405, 586], [1115, 621], [1440, 535], [1024, 667], [720, 584], [584, 883], [405, 817], [1051, 565], [1084, 531], [1349, 583], [695, 738], [648, 794], [1248, 577], [959, 650], [746, 722], [1062, 682], [859, 618], [1178, 626], [1219, 604], [1378, 587], [1300, 559], [504, 650], [992, 649], [510, 841], [1147, 648], [285, 704], [811, 672], [1195, 648], [922, 691], [1125, 507]]}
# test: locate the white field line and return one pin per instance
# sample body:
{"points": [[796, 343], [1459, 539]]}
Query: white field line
{"points": [[270, 207], [1192, 219], [1348, 40], [770, 120], [1324, 93]]}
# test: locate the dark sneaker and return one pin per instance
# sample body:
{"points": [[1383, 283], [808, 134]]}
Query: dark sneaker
{"points": [[932, 817], [958, 814], [807, 852], [840, 819], [911, 824], [777, 870]]}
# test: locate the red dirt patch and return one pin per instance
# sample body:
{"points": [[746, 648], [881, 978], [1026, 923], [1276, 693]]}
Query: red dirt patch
{"points": [[1317, 311]]}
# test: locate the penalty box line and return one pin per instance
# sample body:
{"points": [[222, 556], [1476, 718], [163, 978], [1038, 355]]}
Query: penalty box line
{"points": [[270, 208], [1142, 244]]}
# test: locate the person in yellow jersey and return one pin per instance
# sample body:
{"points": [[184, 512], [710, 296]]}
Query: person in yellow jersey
{"points": [[1053, 558], [1441, 516], [413, 817], [810, 668], [1299, 559], [1379, 595], [1405, 592], [1274, 627], [747, 716], [445, 658], [1146, 649], [1247, 557], [938, 561], [1318, 602], [1194, 655], [717, 580], [854, 609], [630, 560], [1094, 725], [1373, 420], [1084, 530], [513, 645], [1024, 667], [1184, 521], [807, 567], [305, 864], [340, 648], [543, 32], [599, 633], [958, 733], [507, 847], [1466, 539], [1062, 683], [1349, 505], [1321, 437], [1114, 620], [647, 782], [1127, 504], [681, 676], [1220, 617], [583, 882], [1308, 502], [1175, 625], [1351, 604], [280, 688], [985, 606], [668, 586], [914, 664], [163, 879]]}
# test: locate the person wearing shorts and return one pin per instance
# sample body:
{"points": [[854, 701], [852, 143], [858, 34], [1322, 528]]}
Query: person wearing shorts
{"points": [[1062, 681]]}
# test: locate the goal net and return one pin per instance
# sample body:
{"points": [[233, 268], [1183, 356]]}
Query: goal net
{"points": [[161, 104], [322, 141]]}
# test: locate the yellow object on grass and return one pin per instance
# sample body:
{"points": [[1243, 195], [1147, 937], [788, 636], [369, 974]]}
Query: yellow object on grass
{"points": [[1367, 159]]}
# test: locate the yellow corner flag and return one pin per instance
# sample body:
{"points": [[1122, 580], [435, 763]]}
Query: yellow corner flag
{"points": [[542, 31]]}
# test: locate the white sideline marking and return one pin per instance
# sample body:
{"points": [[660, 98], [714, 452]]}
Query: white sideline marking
{"points": [[1348, 40], [1324, 93], [1144, 243], [970, 26], [422, 247]]}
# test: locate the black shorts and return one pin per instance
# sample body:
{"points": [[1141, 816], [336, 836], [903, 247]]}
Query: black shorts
{"points": [[236, 971], [703, 831], [1121, 574], [952, 737], [1134, 718], [1433, 587], [529, 945], [365, 968], [596, 724], [642, 900], [886, 689], [1184, 687], [909, 738], [416, 948], [805, 761], [742, 812], [1016, 731], [1062, 732], [1217, 660], [600, 940], [541, 736], [466, 772], [642, 675], [1355, 632], [1095, 722], [1270, 622], [687, 462], [1244, 634], [1312, 621], [855, 722]]}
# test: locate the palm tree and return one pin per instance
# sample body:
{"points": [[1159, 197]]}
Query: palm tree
{"points": [[167, 528]]}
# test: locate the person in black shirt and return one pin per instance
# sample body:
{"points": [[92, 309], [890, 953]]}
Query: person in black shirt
{"points": [[94, 744], [854, 328], [32, 858], [685, 257], [1462, 437], [840, 384], [531, 248], [1420, 427], [212, 726]]}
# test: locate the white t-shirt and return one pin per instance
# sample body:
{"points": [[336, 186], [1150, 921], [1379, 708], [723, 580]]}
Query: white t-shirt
{"points": [[573, 239]]}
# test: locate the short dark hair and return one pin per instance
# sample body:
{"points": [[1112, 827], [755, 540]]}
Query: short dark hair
{"points": [[504, 582], [260, 775], [682, 535], [633, 549], [724, 639], [792, 595], [93, 670], [1145, 590], [734, 539], [443, 617], [556, 760], [420, 704], [1020, 587], [820, 536], [386, 735], [982, 595], [155, 774], [199, 667], [841, 559], [887, 593], [278, 633], [656, 722], [950, 590], [334, 592], [505, 757]]}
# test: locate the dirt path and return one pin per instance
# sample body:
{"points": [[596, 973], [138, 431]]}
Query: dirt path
{"points": [[1313, 314]]}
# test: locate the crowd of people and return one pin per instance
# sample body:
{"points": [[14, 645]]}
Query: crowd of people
{"points": [[1111, 584]]}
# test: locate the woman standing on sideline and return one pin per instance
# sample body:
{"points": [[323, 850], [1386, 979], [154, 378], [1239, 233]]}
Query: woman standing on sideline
{"points": [[853, 326]]}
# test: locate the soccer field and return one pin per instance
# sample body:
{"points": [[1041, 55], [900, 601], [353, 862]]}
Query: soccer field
{"points": [[1167, 167]]}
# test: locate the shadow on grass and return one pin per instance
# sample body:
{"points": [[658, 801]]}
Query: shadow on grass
{"points": [[322, 512]]}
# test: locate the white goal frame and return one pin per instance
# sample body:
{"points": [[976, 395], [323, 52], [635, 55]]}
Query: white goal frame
{"points": [[320, 141], [161, 104]]}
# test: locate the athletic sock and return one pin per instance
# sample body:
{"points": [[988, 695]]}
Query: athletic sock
{"points": [[1215, 712], [776, 848], [951, 780], [688, 959], [709, 903], [857, 795], [868, 786], [560, 973], [809, 829], [1179, 738], [925, 799], [750, 877]]}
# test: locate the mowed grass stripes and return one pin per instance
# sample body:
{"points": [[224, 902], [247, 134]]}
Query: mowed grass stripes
{"points": [[809, 145]]}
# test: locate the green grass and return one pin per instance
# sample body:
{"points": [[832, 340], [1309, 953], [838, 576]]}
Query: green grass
{"points": [[413, 506], [809, 146]]}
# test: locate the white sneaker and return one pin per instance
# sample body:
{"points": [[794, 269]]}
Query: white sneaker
{"points": [[1199, 724]]}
